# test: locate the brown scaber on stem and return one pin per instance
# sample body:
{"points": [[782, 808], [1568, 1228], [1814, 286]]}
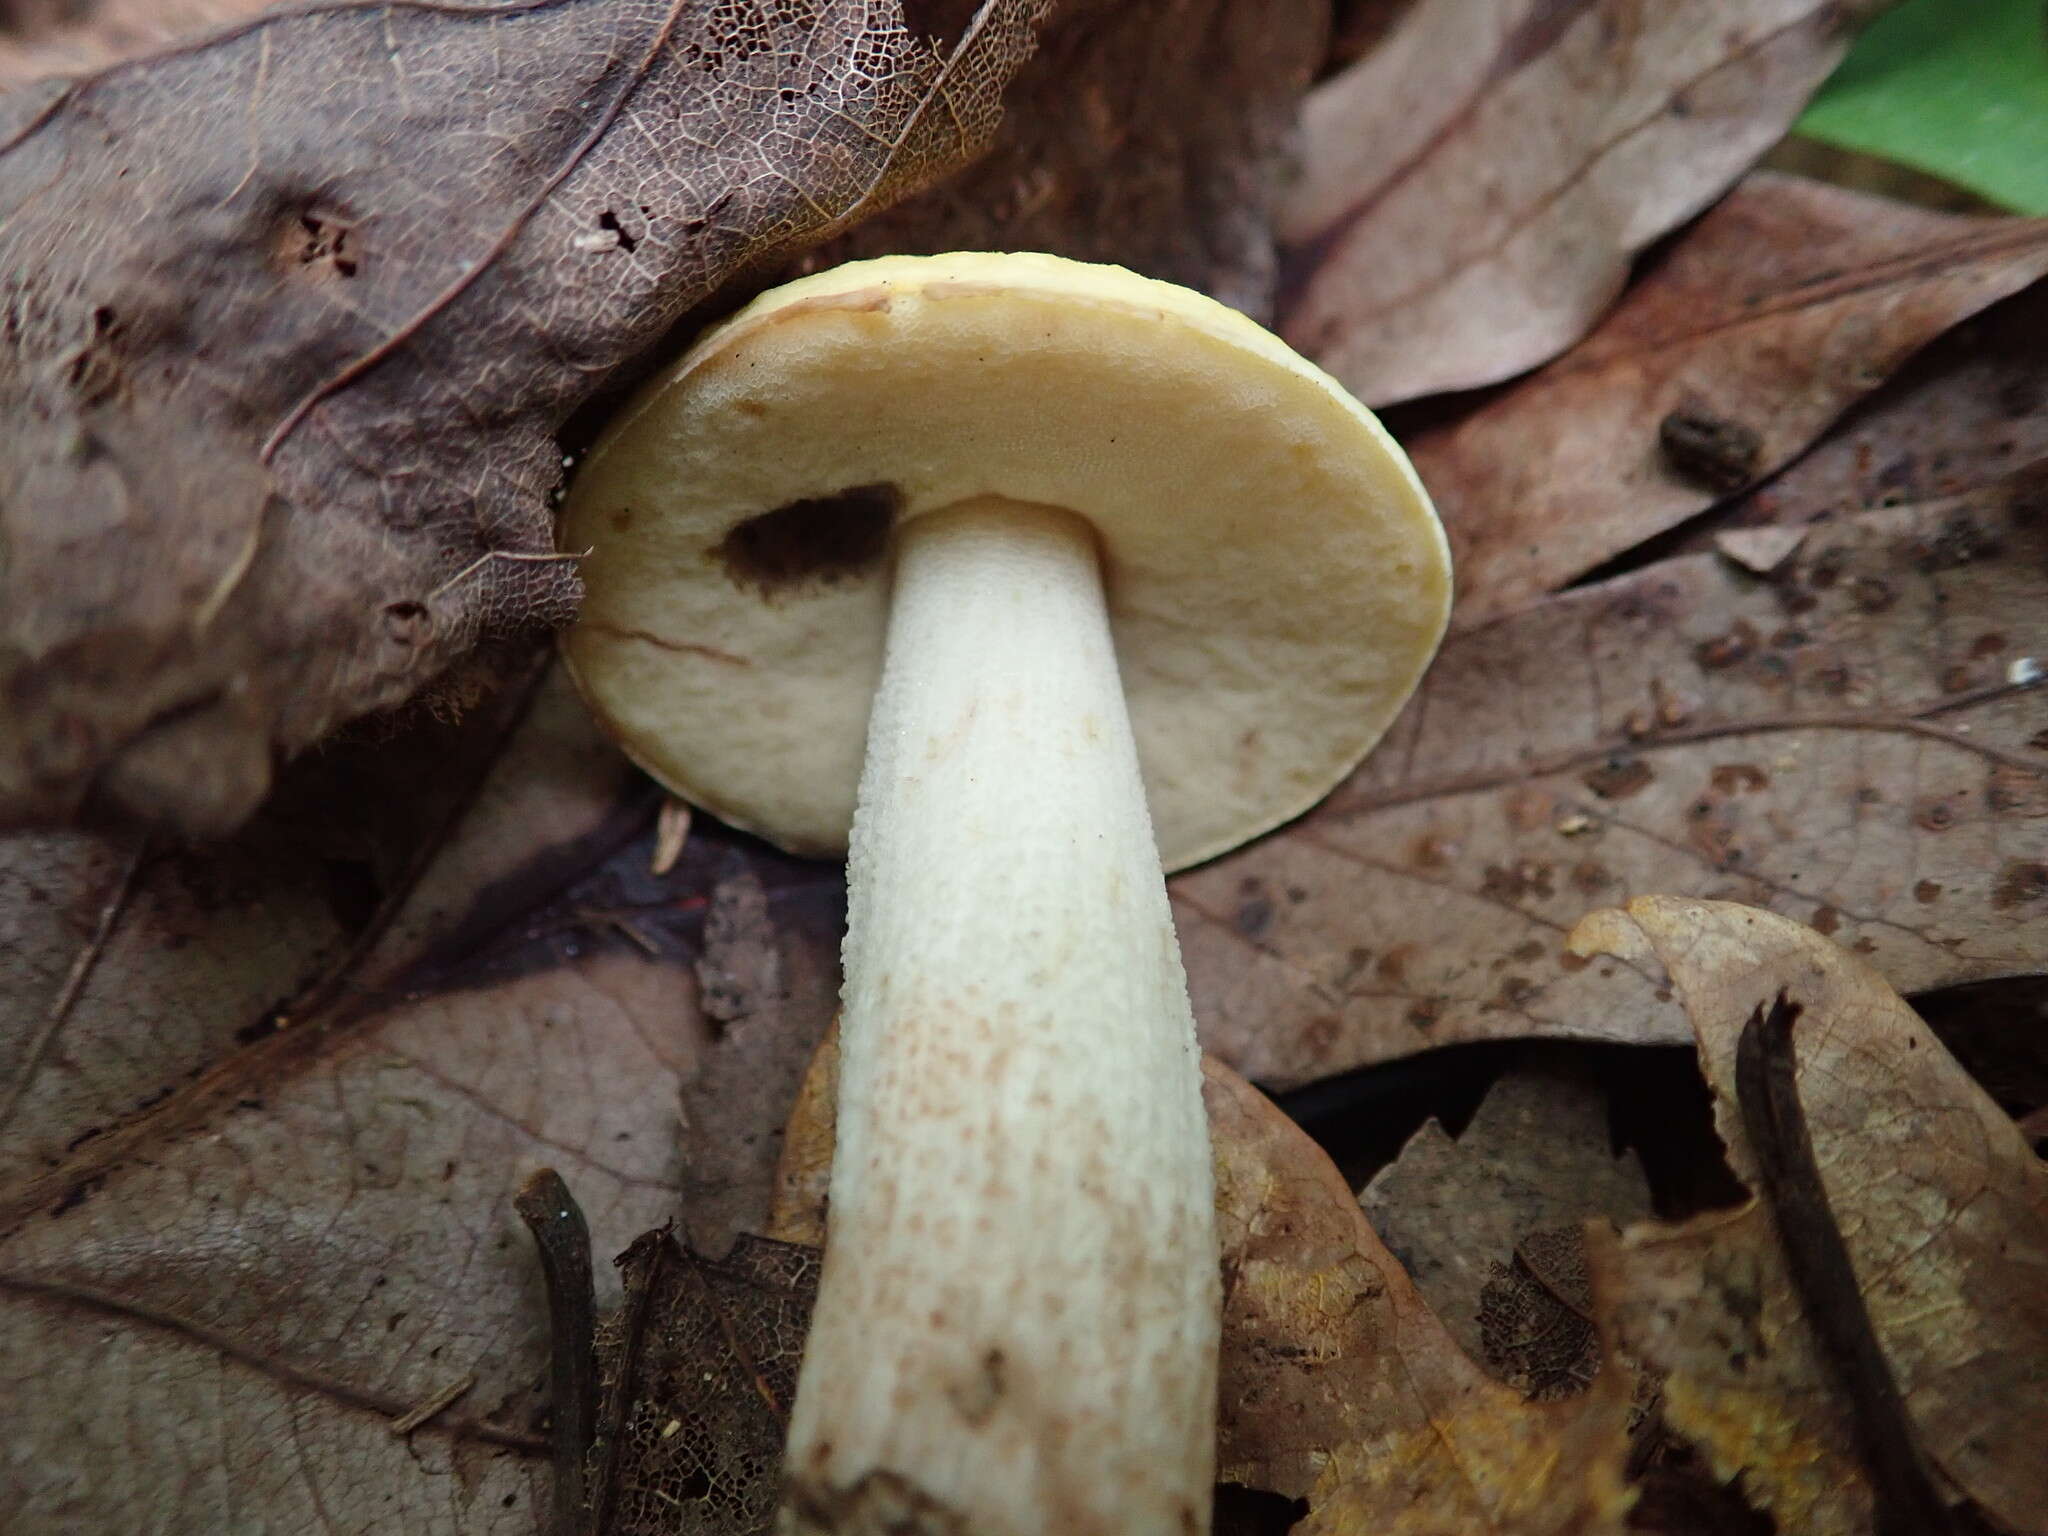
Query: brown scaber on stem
{"points": [[1767, 1086], [563, 1239]]}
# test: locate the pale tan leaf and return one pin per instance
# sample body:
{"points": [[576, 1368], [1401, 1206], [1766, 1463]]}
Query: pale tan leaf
{"points": [[1788, 303], [1474, 189], [1943, 1206], [1839, 744]]}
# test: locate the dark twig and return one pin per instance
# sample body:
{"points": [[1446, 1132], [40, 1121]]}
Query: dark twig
{"points": [[643, 1262], [1766, 1082], [563, 1238]]}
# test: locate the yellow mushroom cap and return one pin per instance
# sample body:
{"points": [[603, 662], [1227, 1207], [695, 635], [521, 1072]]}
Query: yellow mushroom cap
{"points": [[1276, 577]]}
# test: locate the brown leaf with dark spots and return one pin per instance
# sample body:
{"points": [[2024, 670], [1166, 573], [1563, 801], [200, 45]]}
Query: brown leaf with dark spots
{"points": [[1474, 189], [293, 368], [1787, 304], [1961, 415], [1805, 751], [1943, 1206]]}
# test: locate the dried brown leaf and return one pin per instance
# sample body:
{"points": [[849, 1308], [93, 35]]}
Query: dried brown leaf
{"points": [[1155, 135], [279, 1234], [239, 1314], [1788, 303], [1536, 1157], [69, 37], [1840, 744], [1474, 189], [293, 369], [768, 983], [1960, 416], [219, 953], [1337, 1383], [1942, 1204]]}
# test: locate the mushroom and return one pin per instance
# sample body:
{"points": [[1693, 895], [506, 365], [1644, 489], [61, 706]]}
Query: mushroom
{"points": [[1050, 543]]}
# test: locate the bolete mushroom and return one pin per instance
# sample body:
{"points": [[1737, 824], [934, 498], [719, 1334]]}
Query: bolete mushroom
{"points": [[1049, 542]]}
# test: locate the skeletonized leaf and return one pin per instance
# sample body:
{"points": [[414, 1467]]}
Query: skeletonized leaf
{"points": [[1942, 1204], [1473, 190], [293, 368], [1847, 743], [1788, 303]]}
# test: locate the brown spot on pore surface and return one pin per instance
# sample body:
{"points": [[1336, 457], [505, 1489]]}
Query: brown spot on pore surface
{"points": [[811, 543], [1393, 965], [2022, 880], [1927, 891], [1826, 920]]}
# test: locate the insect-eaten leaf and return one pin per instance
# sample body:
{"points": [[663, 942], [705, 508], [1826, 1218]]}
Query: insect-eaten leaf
{"points": [[1941, 1203], [293, 371]]}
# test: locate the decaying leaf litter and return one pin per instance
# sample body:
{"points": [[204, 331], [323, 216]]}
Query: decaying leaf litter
{"points": [[261, 1162]]}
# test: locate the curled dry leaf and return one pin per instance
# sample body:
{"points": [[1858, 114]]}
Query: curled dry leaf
{"points": [[294, 369], [1784, 306], [1474, 190], [1943, 1206], [1338, 1385], [1840, 744]]}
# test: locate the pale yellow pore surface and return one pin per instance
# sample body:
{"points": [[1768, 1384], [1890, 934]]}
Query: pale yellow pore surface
{"points": [[1277, 579]]}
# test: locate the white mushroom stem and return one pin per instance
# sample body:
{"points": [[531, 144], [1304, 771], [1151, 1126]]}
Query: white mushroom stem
{"points": [[1017, 1323]]}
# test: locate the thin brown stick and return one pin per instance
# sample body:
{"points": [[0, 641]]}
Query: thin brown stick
{"points": [[74, 983], [563, 1238]]}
